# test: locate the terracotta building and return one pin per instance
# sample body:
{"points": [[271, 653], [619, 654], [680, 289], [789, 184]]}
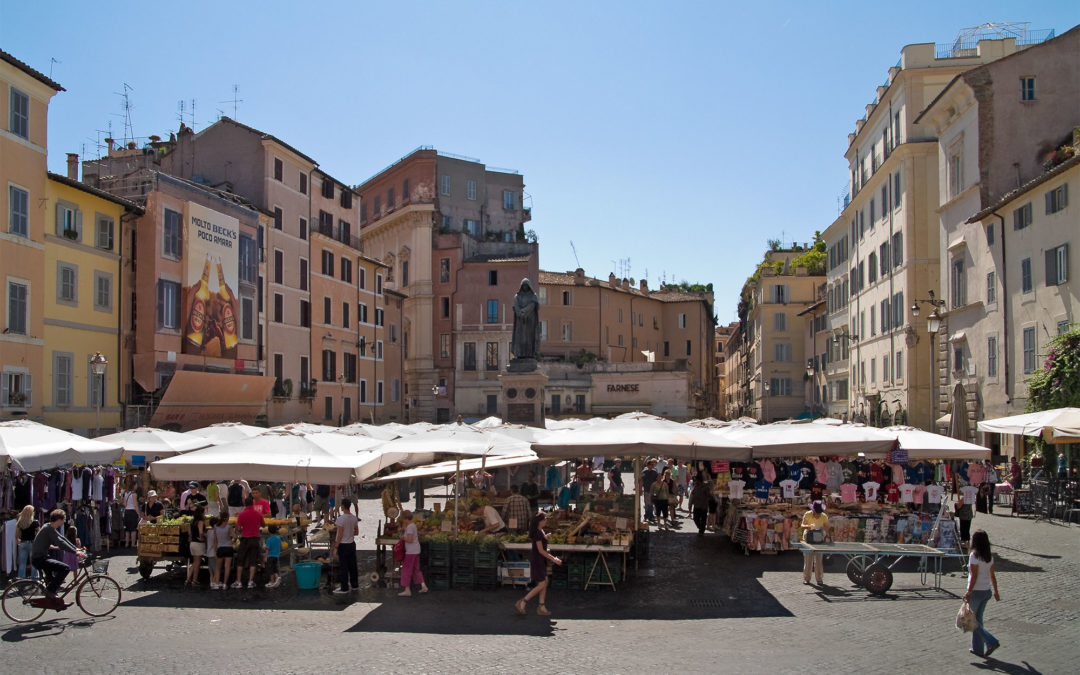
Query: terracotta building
{"points": [[612, 347]]}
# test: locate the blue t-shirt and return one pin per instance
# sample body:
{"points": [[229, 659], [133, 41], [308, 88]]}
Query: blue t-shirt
{"points": [[761, 489], [273, 546]]}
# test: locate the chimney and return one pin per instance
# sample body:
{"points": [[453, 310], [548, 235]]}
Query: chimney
{"points": [[611, 279], [73, 166], [644, 286], [109, 142]]}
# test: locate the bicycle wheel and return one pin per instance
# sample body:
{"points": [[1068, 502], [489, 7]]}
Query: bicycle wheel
{"points": [[98, 595], [23, 600]]}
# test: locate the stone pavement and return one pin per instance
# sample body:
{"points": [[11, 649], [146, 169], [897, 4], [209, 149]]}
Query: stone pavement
{"points": [[696, 604]]}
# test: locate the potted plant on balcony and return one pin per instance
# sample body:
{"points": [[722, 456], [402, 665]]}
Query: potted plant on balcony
{"points": [[16, 398]]}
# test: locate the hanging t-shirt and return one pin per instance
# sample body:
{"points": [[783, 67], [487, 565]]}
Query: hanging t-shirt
{"points": [[876, 473], [933, 493], [808, 475], [871, 488], [794, 471], [820, 470], [907, 492], [892, 493], [919, 494], [847, 493], [850, 470], [97, 483], [976, 473], [969, 493], [768, 472], [911, 472], [834, 475], [76, 490], [735, 488], [761, 488], [788, 488]]}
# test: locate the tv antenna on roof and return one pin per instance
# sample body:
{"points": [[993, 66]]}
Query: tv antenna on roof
{"points": [[129, 132], [236, 100], [575, 253]]}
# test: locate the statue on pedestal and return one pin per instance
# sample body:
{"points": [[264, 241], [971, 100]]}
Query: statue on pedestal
{"points": [[526, 339]]}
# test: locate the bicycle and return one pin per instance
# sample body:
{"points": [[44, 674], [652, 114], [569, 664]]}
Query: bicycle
{"points": [[97, 593]]}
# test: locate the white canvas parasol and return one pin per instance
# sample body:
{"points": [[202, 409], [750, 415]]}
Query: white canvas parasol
{"points": [[155, 443], [38, 447], [1060, 425]]}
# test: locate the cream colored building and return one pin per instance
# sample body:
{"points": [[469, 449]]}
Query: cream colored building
{"points": [[884, 252], [1007, 226], [776, 350]]}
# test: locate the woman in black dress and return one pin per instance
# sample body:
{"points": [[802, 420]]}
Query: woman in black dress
{"points": [[538, 560]]}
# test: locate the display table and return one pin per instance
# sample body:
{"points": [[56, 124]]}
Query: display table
{"points": [[598, 563], [867, 562]]}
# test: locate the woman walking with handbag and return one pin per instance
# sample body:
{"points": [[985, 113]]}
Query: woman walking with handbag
{"points": [[981, 579]]}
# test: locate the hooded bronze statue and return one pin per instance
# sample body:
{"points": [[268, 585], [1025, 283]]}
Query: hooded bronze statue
{"points": [[526, 341]]}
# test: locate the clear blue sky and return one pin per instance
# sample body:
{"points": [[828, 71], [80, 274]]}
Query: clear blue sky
{"points": [[680, 135]]}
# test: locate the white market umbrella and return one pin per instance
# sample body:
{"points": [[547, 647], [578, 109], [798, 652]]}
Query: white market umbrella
{"points": [[276, 456], [38, 447], [155, 443], [381, 433], [641, 436], [569, 423], [488, 422], [810, 440], [926, 445], [227, 432], [1060, 425], [304, 428], [472, 464]]}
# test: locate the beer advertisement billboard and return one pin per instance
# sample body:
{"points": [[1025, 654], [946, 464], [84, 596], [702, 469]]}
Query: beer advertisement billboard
{"points": [[211, 267]]}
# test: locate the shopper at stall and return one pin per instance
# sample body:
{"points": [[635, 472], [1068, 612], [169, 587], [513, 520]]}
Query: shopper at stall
{"points": [[131, 513], [211, 550], [981, 580], [223, 537], [965, 514], [538, 562], [26, 528], [197, 544], [249, 521], [517, 512], [648, 477], [410, 567], [583, 474], [222, 500], [699, 505], [47, 538], [814, 519], [348, 528], [531, 491], [661, 494], [615, 476], [234, 497], [322, 503], [193, 487], [262, 505], [273, 557], [1015, 473]]}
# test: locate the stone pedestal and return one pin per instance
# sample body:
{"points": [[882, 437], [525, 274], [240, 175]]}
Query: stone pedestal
{"points": [[522, 399]]}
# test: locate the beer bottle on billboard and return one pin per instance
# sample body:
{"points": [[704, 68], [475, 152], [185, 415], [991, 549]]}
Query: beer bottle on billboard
{"points": [[228, 315], [196, 326]]}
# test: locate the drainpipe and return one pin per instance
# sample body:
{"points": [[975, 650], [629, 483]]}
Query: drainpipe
{"points": [[1004, 310], [121, 400]]}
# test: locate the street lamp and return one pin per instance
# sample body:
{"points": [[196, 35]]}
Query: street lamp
{"points": [[98, 363], [810, 368], [933, 325], [765, 401]]}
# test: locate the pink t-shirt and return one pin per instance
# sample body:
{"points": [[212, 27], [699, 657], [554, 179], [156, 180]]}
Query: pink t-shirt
{"points": [[768, 472], [919, 493], [249, 521], [847, 492]]}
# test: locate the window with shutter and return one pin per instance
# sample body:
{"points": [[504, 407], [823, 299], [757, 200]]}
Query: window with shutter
{"points": [[103, 234], [62, 378], [1057, 265]]}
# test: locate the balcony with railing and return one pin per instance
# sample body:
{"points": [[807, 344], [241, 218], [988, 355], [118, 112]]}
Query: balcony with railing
{"points": [[343, 236]]}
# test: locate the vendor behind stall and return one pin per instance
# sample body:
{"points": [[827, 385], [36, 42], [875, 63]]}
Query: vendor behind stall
{"points": [[153, 509], [493, 522], [517, 510]]}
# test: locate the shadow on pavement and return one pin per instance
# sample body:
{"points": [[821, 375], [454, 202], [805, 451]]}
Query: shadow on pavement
{"points": [[993, 665], [49, 628], [282, 598], [1003, 564]]}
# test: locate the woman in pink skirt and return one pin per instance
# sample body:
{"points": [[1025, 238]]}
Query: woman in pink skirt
{"points": [[410, 568]]}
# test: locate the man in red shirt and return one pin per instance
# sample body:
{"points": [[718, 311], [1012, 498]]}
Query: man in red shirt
{"points": [[261, 505], [249, 521]]}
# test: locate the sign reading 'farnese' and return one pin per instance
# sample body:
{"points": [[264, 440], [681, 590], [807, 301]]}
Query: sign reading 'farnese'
{"points": [[622, 387]]}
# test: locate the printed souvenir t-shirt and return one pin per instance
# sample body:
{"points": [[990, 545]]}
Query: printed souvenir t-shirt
{"points": [[735, 488], [847, 492], [761, 489], [249, 521], [907, 493], [871, 488], [788, 488], [933, 493], [919, 493], [969, 493], [263, 507], [876, 473], [892, 493]]}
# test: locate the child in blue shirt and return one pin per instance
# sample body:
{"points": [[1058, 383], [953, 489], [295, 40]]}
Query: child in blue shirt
{"points": [[273, 553]]}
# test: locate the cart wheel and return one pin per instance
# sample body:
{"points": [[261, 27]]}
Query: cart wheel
{"points": [[856, 568], [877, 579], [146, 568]]}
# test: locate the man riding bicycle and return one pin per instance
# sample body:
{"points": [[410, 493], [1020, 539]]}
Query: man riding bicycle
{"points": [[48, 538]]}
